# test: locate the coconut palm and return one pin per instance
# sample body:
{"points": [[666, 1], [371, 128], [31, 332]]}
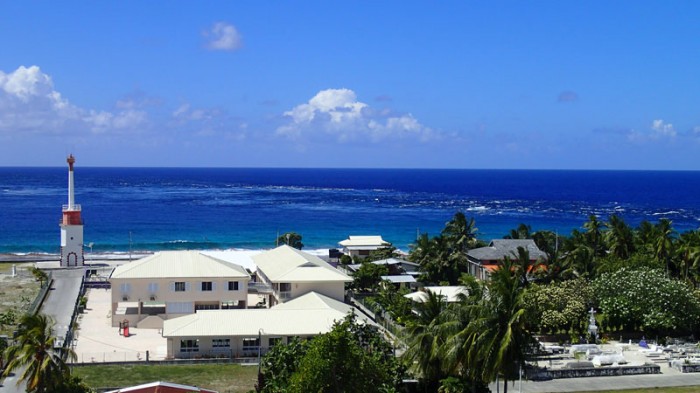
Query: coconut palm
{"points": [[35, 353], [424, 340], [498, 338], [663, 242], [619, 237], [438, 261], [521, 232], [689, 255], [594, 235], [461, 232], [579, 255]]}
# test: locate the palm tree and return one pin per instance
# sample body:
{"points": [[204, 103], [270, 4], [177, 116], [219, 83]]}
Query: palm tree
{"points": [[645, 235], [523, 265], [689, 254], [438, 261], [499, 337], [579, 255], [594, 234], [663, 242], [521, 232], [35, 352], [424, 340], [461, 232], [619, 237]]}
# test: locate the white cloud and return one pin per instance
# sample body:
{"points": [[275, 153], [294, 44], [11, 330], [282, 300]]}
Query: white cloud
{"points": [[662, 129], [28, 102], [223, 36], [338, 113]]}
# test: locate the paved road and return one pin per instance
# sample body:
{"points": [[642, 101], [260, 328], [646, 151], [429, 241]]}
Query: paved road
{"points": [[59, 305], [62, 298], [605, 383]]}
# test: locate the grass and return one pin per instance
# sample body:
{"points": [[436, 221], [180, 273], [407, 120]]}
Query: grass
{"points": [[227, 378], [224, 378], [16, 292]]}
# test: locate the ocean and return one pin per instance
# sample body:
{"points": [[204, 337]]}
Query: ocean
{"points": [[151, 209]]}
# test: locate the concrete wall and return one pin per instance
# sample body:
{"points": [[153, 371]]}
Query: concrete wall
{"points": [[593, 372]]}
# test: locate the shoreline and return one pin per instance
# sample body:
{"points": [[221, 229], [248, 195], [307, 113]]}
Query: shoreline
{"points": [[125, 255]]}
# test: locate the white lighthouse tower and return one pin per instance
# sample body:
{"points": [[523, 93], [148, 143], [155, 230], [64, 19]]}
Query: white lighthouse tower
{"points": [[71, 226]]}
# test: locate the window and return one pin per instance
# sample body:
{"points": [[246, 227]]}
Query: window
{"points": [[180, 286], [179, 307], [126, 288], [189, 345], [285, 287], [221, 343], [250, 344], [233, 285], [206, 286], [153, 288], [274, 341], [230, 305]]}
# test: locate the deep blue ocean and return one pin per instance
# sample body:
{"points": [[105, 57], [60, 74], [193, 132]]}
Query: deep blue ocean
{"points": [[195, 208]]}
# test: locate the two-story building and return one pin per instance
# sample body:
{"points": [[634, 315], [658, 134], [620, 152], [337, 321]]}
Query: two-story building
{"points": [[484, 260], [292, 273], [361, 246], [170, 284]]}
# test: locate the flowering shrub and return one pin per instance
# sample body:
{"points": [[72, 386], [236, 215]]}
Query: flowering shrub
{"points": [[559, 306], [646, 299]]}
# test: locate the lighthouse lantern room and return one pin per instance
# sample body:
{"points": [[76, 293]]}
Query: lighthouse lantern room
{"points": [[71, 226]]}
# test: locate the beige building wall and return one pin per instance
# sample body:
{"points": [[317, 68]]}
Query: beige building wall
{"points": [[334, 290], [217, 346], [166, 295]]}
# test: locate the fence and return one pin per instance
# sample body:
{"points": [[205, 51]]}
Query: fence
{"points": [[135, 357], [377, 313], [39, 300]]}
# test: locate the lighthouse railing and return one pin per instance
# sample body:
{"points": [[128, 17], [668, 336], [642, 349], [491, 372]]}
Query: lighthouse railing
{"points": [[74, 208]]}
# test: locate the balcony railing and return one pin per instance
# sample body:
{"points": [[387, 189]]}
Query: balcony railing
{"points": [[260, 287]]}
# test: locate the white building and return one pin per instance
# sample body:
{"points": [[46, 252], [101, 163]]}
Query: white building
{"points": [[291, 273], [450, 294], [170, 284], [362, 245], [240, 333]]}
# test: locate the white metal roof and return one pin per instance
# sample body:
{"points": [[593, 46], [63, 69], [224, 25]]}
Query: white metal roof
{"points": [[239, 257], [287, 264], [402, 278], [307, 315], [179, 264], [451, 294], [364, 241]]}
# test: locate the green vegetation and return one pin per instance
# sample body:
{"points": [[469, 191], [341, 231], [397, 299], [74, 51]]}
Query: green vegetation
{"points": [[368, 277], [42, 364], [351, 357], [225, 378], [16, 295], [639, 281], [292, 239]]}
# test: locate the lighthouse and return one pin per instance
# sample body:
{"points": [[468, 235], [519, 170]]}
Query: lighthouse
{"points": [[71, 226]]}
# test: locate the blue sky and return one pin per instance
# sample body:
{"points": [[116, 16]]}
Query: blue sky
{"points": [[546, 84]]}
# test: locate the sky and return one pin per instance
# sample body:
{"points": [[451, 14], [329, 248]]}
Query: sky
{"points": [[360, 84]]}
